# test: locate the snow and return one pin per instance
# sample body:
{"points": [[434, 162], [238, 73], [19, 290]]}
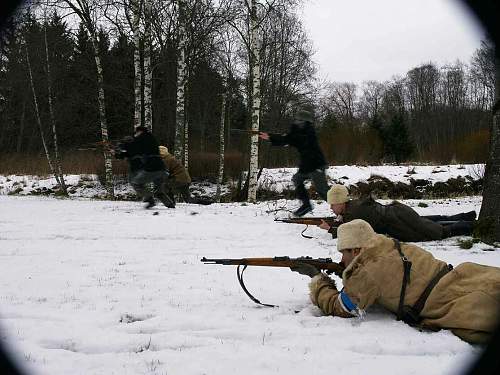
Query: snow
{"points": [[88, 186], [102, 287]]}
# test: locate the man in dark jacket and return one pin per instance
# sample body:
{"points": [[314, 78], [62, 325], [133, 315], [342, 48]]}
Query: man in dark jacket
{"points": [[396, 219], [145, 166], [312, 163]]}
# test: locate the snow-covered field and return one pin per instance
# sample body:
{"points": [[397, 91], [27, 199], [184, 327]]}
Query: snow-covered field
{"points": [[88, 186], [101, 287]]}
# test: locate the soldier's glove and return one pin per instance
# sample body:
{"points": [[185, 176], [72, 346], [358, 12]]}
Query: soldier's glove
{"points": [[305, 269]]}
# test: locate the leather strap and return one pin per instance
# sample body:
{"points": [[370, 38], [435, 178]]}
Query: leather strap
{"points": [[406, 279]]}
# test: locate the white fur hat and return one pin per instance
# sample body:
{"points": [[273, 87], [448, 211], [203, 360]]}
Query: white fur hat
{"points": [[354, 235], [337, 194], [163, 150]]}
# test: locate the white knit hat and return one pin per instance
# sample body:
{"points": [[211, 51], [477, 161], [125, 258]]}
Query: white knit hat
{"points": [[337, 194], [354, 235], [163, 150]]}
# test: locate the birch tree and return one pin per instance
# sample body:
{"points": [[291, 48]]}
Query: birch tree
{"points": [[86, 10], [181, 80], [148, 73], [58, 166], [254, 63], [136, 6]]}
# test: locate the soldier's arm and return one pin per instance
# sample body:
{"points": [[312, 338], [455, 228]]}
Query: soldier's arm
{"points": [[325, 295], [279, 139], [360, 292]]}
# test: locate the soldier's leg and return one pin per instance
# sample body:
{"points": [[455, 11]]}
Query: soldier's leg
{"points": [[160, 190], [319, 179], [298, 180], [186, 194], [138, 180], [464, 216]]}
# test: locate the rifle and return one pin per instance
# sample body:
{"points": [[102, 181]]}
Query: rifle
{"points": [[309, 221], [100, 145], [250, 131], [284, 261]]}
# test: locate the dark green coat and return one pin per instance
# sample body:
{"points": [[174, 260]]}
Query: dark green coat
{"points": [[397, 220]]}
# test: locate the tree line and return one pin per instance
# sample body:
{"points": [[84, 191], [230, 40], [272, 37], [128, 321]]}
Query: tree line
{"points": [[76, 72]]}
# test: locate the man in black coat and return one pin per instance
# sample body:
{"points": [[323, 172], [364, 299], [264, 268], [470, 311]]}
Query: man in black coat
{"points": [[145, 166], [312, 162]]}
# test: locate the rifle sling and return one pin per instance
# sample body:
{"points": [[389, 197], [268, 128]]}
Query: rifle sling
{"points": [[242, 284], [305, 235]]}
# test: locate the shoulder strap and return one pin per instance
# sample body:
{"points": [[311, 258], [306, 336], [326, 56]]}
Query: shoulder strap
{"points": [[406, 278]]}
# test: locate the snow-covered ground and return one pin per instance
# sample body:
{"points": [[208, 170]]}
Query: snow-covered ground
{"points": [[101, 287], [88, 186]]}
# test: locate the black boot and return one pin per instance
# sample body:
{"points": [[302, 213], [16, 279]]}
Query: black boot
{"points": [[166, 200], [302, 210], [150, 202], [460, 228]]}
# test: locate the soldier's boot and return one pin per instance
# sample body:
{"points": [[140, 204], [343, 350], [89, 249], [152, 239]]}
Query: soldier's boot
{"points": [[460, 228], [165, 199], [304, 209], [150, 202]]}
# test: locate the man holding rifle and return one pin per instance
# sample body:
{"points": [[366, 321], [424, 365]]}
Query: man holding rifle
{"points": [[396, 219], [312, 163], [145, 166], [408, 281]]}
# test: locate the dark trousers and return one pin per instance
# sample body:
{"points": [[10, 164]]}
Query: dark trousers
{"points": [[139, 179], [319, 180], [173, 187]]}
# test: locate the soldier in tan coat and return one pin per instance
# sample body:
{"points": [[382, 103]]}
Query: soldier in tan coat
{"points": [[408, 281], [179, 179]]}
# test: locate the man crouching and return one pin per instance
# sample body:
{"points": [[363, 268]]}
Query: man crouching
{"points": [[408, 281]]}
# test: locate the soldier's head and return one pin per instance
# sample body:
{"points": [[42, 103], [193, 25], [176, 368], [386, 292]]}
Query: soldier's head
{"points": [[303, 117], [352, 237], [163, 151], [337, 197]]}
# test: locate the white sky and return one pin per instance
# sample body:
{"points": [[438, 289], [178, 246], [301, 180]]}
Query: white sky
{"points": [[358, 40]]}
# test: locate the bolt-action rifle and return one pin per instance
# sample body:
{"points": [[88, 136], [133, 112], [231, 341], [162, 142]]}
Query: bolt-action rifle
{"points": [[310, 221], [320, 263], [250, 131], [100, 145]]}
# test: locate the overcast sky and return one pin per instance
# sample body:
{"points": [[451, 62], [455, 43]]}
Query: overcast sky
{"points": [[358, 40]]}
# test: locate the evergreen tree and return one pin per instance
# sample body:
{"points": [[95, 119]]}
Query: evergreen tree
{"points": [[396, 139]]}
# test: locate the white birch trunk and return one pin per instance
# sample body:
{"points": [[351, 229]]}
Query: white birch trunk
{"points": [[148, 73], [38, 119], [220, 177], [136, 8], [108, 162], [255, 68], [181, 81], [58, 166]]}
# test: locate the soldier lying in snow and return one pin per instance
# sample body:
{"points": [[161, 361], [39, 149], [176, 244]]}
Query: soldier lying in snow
{"points": [[408, 281], [396, 219]]}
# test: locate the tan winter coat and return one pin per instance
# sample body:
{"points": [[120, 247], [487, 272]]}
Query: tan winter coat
{"points": [[466, 300], [175, 168]]}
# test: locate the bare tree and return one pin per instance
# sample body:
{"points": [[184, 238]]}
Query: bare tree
{"points": [[181, 81], [58, 165], [490, 207], [87, 11]]}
